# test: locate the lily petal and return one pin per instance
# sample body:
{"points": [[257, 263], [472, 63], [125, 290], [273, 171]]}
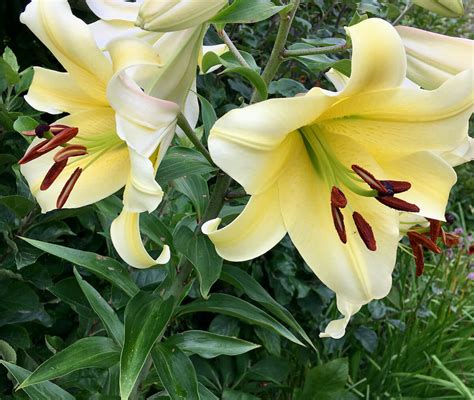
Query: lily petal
{"points": [[115, 9], [125, 233], [337, 328], [461, 154], [252, 144], [104, 171], [378, 60], [71, 42], [255, 231], [349, 269]]}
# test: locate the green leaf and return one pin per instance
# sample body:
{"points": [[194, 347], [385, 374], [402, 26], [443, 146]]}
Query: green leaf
{"points": [[111, 322], [7, 352], [20, 205], [89, 352], [10, 58], [11, 76], [208, 115], [16, 335], [367, 338], [195, 188], [247, 12], [146, 317], [210, 345], [42, 391], [104, 267], [69, 291], [182, 161], [253, 77], [286, 87], [230, 394], [24, 123], [176, 372], [243, 281], [26, 77], [199, 250], [235, 307]]}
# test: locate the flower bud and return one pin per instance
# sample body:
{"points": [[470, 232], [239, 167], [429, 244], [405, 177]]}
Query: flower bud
{"points": [[433, 58], [176, 15], [446, 8]]}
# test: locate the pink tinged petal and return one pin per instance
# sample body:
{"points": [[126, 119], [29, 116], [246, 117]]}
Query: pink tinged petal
{"points": [[255, 231], [125, 234]]}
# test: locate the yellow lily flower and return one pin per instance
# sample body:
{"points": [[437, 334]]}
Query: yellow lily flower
{"points": [[115, 134], [175, 15], [446, 8], [333, 170], [433, 58]]}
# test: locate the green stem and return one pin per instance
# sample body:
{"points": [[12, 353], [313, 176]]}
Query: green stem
{"points": [[227, 40], [403, 13], [217, 198], [276, 57], [189, 132], [316, 50]]}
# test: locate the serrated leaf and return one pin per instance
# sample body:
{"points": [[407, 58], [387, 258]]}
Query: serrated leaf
{"points": [[42, 391], [106, 314], [199, 250], [89, 352], [146, 316], [176, 372], [210, 345], [247, 12], [235, 307], [104, 267]]}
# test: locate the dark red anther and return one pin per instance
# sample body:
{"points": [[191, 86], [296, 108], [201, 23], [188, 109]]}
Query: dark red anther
{"points": [[424, 241], [338, 199], [365, 231], [371, 180], [41, 129], [470, 250], [67, 189], [396, 186], [72, 150], [452, 240], [338, 219], [435, 229], [443, 237], [57, 128], [419, 256], [53, 174], [65, 136], [398, 204], [33, 153]]}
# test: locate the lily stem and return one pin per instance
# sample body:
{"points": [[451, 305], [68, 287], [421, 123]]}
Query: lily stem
{"points": [[403, 13], [189, 132], [230, 44], [315, 50], [276, 57]]}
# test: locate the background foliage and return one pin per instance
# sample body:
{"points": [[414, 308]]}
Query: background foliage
{"points": [[416, 343]]}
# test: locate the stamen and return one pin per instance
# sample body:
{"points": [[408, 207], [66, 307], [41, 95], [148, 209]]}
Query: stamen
{"points": [[338, 199], [396, 186], [398, 204], [338, 219], [365, 231], [67, 189], [33, 153], [65, 136], [57, 128], [72, 150], [41, 129], [452, 240], [419, 257], [424, 241], [435, 229], [52, 174], [368, 178]]}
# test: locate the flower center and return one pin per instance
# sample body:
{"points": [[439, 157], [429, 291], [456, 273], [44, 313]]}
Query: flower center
{"points": [[357, 180], [60, 136]]}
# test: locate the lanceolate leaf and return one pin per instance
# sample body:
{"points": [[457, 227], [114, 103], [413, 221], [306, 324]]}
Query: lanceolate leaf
{"points": [[146, 316], [90, 352], [247, 11], [243, 281], [235, 307], [108, 317], [176, 372], [104, 267], [210, 345], [41, 391]]}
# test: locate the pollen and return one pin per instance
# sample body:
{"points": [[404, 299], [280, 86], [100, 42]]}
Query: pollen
{"points": [[365, 231]]}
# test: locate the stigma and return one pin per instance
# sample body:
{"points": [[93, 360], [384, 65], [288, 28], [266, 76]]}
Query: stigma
{"points": [[54, 137]]}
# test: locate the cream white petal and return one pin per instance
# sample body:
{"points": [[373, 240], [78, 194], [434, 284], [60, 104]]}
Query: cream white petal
{"points": [[71, 42], [350, 269], [463, 153], [125, 233], [255, 231], [378, 59], [115, 9], [337, 328], [252, 144]]}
